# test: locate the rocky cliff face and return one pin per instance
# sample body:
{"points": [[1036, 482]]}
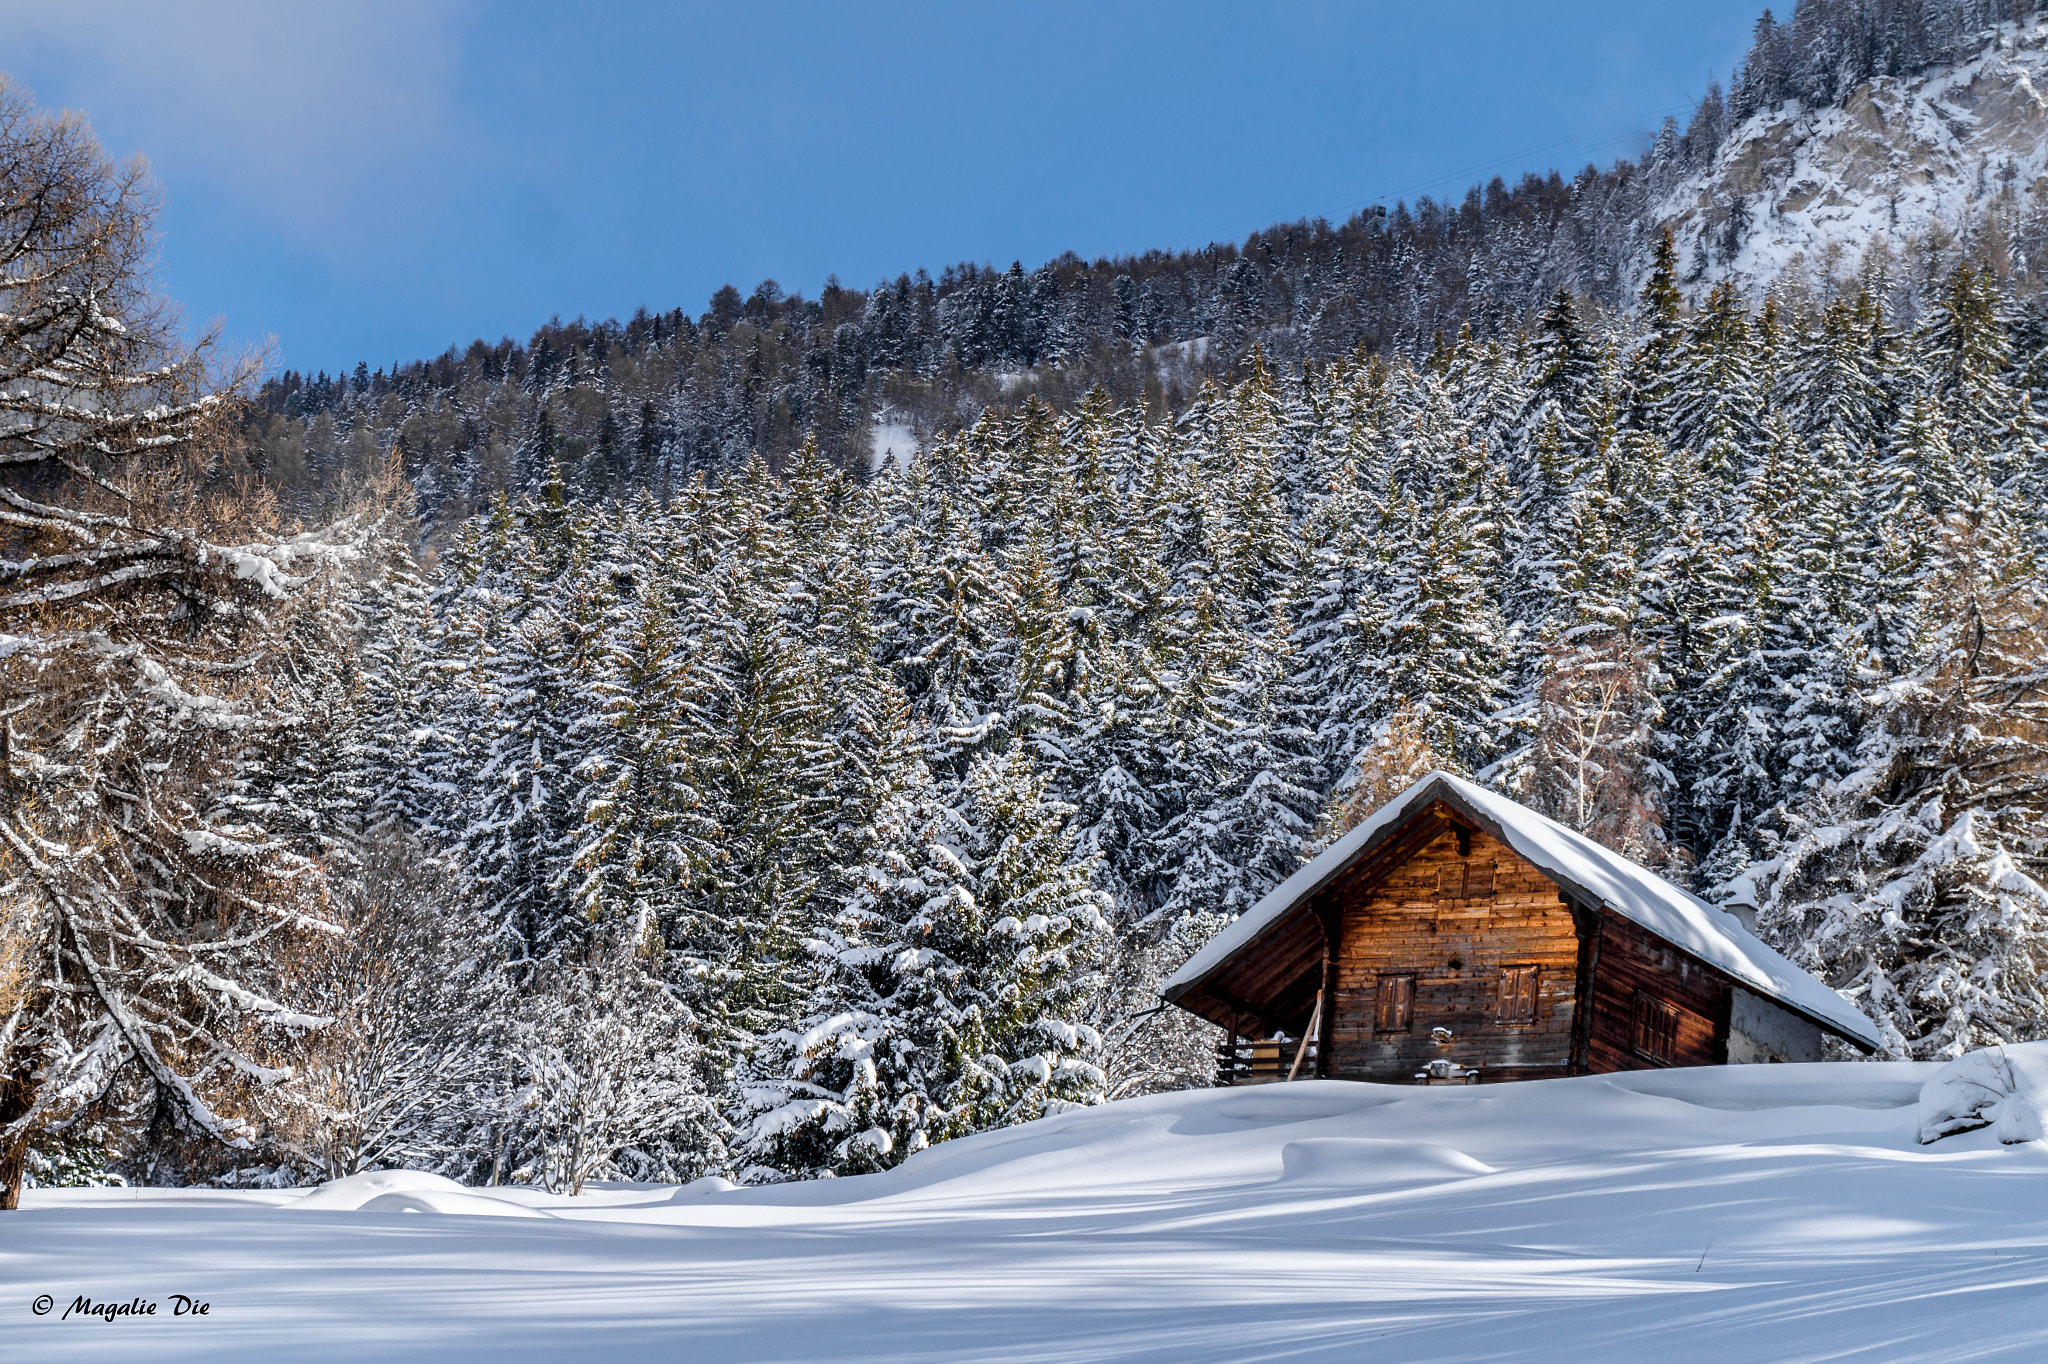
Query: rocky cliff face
{"points": [[1944, 152]]}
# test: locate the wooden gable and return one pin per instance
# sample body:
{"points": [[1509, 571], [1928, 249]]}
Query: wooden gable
{"points": [[1478, 940], [1271, 984]]}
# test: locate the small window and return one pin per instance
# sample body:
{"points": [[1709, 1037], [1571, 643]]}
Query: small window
{"points": [[1517, 1003], [1450, 879], [1656, 1029], [1395, 1009], [1479, 880]]}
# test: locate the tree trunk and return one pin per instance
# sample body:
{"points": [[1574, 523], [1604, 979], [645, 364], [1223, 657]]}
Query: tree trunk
{"points": [[17, 1095], [13, 1170]]}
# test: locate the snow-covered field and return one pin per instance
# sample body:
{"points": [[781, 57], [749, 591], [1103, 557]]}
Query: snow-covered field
{"points": [[1746, 1213]]}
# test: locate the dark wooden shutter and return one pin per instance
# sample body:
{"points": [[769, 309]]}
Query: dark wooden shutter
{"points": [[1517, 1003], [1656, 1029], [1395, 1003], [1450, 880]]}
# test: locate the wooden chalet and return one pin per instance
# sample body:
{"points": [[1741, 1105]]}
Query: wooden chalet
{"points": [[1457, 936]]}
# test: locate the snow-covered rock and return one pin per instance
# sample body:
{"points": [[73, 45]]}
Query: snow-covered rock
{"points": [[1894, 158], [2003, 1088]]}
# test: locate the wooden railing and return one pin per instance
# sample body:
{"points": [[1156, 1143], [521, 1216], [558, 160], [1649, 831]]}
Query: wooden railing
{"points": [[1245, 1061]]}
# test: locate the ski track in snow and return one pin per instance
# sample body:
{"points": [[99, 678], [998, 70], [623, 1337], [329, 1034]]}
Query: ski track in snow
{"points": [[1741, 1213]]}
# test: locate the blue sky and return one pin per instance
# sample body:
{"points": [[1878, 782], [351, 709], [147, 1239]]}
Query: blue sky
{"points": [[383, 179]]}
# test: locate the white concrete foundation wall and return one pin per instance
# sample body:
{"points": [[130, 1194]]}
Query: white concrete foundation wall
{"points": [[1760, 1031]]}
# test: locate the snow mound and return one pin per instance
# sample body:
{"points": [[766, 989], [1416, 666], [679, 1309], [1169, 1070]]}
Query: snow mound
{"points": [[698, 1188], [1301, 1102], [456, 1204], [350, 1194], [2003, 1088], [1356, 1161], [1754, 1089], [408, 1191]]}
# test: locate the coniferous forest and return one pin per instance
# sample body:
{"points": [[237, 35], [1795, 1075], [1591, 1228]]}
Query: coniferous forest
{"points": [[582, 760], [664, 396]]}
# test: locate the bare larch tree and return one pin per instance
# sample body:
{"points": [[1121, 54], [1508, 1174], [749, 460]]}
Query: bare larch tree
{"points": [[145, 612]]}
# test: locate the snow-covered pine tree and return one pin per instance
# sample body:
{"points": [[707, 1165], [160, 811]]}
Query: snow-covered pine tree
{"points": [[526, 821], [1569, 386], [1337, 621], [645, 838], [945, 638], [1563, 439], [1025, 947], [1442, 648], [849, 1086], [403, 683], [1963, 346], [1831, 383], [1649, 375], [1244, 775], [1271, 791], [1814, 608], [1038, 693], [1250, 551], [1905, 495], [756, 728], [1119, 810], [1591, 762], [953, 984], [1189, 866], [1716, 408], [1755, 653], [1916, 884]]}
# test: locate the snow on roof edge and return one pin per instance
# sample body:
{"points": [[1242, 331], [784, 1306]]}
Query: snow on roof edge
{"points": [[1636, 893], [1283, 897]]}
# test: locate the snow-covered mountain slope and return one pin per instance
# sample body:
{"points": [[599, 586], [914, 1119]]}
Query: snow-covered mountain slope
{"points": [[1745, 1213], [1894, 158]]}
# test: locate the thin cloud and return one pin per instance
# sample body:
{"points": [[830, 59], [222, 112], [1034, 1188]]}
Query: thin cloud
{"points": [[339, 125]]}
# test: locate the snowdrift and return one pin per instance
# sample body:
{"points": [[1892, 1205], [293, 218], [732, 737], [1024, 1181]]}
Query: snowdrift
{"points": [[1752, 1212], [2003, 1088]]}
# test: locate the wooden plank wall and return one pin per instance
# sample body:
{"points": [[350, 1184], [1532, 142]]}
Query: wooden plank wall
{"points": [[1453, 917], [1632, 959]]}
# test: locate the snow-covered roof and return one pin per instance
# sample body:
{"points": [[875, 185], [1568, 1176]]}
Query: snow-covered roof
{"points": [[1680, 918]]}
